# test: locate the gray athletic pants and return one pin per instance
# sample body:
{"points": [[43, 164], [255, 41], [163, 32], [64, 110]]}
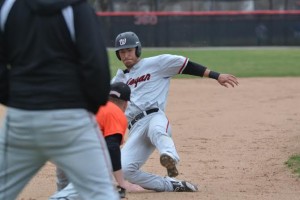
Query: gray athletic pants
{"points": [[149, 133], [70, 138]]}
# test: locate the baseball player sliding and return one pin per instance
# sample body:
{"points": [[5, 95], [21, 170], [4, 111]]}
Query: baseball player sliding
{"points": [[149, 128]]}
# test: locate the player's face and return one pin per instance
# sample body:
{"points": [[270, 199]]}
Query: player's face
{"points": [[128, 57]]}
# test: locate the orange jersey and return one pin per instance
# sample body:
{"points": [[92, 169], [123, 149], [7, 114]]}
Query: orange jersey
{"points": [[111, 120]]}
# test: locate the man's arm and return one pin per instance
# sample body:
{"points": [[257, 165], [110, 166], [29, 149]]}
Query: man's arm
{"points": [[199, 70], [3, 84], [3, 74], [224, 79], [113, 144], [93, 56]]}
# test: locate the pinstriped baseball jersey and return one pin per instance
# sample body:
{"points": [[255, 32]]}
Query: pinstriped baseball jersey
{"points": [[149, 81]]}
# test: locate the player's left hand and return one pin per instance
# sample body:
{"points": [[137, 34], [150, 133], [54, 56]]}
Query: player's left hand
{"points": [[228, 80]]}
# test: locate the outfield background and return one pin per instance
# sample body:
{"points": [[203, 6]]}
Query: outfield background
{"points": [[241, 61]]}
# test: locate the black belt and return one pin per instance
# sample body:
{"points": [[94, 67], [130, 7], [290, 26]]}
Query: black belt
{"points": [[141, 115]]}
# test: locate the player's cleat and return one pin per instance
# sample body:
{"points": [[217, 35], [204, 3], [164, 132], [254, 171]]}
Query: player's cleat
{"points": [[170, 164], [183, 186]]}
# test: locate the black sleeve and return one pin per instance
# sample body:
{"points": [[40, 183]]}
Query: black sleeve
{"points": [[194, 69], [93, 56], [3, 84], [113, 143], [3, 74]]}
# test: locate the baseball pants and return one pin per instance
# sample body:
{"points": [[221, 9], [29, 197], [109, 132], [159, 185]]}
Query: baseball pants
{"points": [[149, 133], [70, 138]]}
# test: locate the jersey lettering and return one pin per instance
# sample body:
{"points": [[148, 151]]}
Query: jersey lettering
{"points": [[135, 81]]}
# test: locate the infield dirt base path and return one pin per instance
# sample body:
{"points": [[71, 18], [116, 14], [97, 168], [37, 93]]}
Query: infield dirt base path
{"points": [[233, 142]]}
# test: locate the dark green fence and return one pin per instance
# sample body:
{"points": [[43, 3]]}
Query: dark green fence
{"points": [[202, 29]]}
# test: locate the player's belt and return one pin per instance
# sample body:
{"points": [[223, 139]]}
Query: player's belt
{"points": [[141, 115]]}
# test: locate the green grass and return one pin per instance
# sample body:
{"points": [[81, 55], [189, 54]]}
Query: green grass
{"points": [[242, 62], [294, 164]]}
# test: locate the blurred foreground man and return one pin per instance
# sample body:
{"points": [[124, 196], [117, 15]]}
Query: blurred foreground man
{"points": [[54, 75]]}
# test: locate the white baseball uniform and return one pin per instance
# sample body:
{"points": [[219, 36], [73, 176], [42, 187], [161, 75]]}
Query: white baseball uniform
{"points": [[149, 81]]}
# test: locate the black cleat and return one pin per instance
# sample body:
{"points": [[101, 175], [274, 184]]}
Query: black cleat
{"points": [[183, 186]]}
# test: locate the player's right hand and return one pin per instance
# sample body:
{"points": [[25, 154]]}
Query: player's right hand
{"points": [[228, 79]]}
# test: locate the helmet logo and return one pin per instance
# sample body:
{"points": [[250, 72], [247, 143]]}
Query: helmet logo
{"points": [[122, 41]]}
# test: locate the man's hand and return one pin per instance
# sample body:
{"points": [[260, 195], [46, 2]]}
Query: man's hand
{"points": [[132, 187], [228, 79]]}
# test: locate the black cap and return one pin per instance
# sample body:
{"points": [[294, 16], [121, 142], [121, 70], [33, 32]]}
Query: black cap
{"points": [[120, 90]]}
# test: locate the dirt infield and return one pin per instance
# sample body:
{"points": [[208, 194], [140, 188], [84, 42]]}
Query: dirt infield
{"points": [[233, 142]]}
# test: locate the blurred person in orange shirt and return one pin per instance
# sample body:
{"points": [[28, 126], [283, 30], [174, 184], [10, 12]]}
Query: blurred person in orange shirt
{"points": [[113, 124]]}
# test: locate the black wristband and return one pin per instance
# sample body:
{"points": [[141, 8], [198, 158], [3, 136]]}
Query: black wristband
{"points": [[214, 75]]}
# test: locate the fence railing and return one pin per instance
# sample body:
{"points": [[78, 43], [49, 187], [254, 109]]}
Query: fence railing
{"points": [[194, 5]]}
